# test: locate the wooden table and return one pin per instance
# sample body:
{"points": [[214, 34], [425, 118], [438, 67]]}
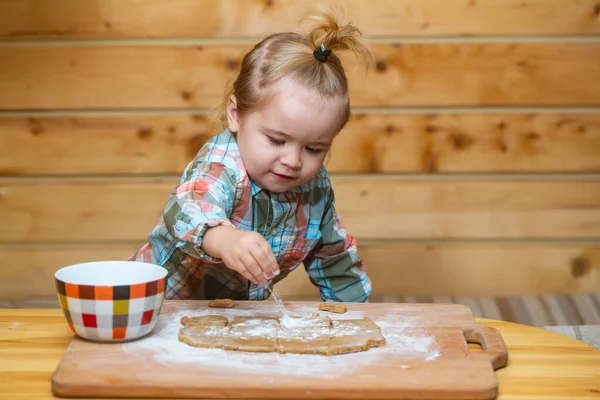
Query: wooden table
{"points": [[542, 364]]}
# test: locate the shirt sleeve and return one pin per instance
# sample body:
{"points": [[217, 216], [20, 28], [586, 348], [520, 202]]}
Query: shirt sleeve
{"points": [[204, 199], [334, 266]]}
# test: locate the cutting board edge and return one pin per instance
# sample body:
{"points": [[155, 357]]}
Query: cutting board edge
{"points": [[70, 390]]}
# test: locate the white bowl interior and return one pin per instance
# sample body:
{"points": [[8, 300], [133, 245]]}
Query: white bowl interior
{"points": [[110, 273]]}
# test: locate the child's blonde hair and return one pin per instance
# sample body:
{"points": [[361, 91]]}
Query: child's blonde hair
{"points": [[290, 54]]}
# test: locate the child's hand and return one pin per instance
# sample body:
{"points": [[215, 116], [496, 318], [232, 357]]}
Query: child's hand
{"points": [[245, 252]]}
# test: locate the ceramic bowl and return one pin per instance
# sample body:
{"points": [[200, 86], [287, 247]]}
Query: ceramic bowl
{"points": [[111, 301]]}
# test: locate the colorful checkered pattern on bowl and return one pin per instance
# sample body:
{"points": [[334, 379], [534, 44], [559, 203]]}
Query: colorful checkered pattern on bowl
{"points": [[111, 312]]}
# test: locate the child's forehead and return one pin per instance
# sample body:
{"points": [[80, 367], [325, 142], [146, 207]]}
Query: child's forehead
{"points": [[291, 102], [301, 112], [290, 87]]}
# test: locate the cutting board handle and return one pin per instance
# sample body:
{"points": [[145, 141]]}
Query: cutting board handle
{"points": [[491, 342]]}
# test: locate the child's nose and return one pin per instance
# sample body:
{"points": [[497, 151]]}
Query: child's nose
{"points": [[292, 159]]}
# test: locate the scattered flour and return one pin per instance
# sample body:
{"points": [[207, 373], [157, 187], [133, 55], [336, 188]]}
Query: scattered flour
{"points": [[297, 322], [254, 329], [214, 331], [165, 348]]}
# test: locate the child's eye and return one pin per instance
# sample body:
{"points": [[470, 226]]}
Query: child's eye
{"points": [[276, 142], [312, 150]]}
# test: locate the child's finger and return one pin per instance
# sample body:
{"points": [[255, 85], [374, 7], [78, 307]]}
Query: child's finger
{"points": [[248, 275], [270, 264], [264, 261], [253, 268], [242, 270]]}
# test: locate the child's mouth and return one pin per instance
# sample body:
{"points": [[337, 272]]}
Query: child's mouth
{"points": [[281, 177]]}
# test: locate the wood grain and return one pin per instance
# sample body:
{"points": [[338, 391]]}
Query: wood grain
{"points": [[469, 269], [395, 269], [122, 144], [115, 19], [370, 143], [170, 76], [29, 270], [373, 208], [543, 364]]}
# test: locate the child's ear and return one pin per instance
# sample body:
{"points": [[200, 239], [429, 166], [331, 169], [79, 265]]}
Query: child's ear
{"points": [[233, 120]]}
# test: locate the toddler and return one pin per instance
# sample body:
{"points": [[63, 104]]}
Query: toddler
{"points": [[256, 201]]}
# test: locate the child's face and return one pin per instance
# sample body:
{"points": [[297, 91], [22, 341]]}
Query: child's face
{"points": [[284, 144]]}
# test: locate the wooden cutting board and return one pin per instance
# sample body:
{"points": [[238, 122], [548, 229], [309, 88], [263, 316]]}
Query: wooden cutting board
{"points": [[426, 357]]}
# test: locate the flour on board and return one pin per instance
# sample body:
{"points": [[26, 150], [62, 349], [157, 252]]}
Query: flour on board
{"points": [[164, 346]]}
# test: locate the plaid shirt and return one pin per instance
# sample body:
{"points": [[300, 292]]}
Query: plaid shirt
{"points": [[301, 226]]}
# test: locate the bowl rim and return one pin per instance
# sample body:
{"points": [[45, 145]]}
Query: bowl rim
{"points": [[160, 269]]}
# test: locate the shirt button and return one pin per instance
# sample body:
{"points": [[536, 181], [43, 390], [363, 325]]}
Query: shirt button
{"points": [[273, 231]]}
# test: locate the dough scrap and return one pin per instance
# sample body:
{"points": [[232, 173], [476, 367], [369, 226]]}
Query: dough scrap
{"points": [[301, 335], [221, 303], [338, 308]]}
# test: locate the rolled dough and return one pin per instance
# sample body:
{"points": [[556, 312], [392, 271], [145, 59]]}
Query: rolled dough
{"points": [[205, 331], [302, 335]]}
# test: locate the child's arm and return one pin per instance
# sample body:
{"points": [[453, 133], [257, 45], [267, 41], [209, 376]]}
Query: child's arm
{"points": [[334, 266], [197, 217]]}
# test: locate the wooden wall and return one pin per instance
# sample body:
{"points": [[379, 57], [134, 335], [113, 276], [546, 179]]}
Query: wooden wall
{"points": [[471, 164]]}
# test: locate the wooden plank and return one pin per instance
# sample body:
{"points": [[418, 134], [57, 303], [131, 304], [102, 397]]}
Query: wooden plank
{"points": [[372, 207], [29, 270], [165, 76], [468, 142], [371, 143], [122, 144], [468, 269], [104, 19]]}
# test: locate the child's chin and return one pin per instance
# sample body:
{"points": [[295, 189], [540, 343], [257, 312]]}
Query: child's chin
{"points": [[279, 187], [273, 187]]}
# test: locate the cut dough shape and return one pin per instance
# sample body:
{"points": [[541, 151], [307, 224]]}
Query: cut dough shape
{"points": [[302, 335], [205, 320], [206, 331], [221, 303], [354, 335], [338, 308], [252, 334]]}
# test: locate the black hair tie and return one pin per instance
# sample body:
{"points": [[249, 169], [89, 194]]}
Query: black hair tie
{"points": [[321, 53]]}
